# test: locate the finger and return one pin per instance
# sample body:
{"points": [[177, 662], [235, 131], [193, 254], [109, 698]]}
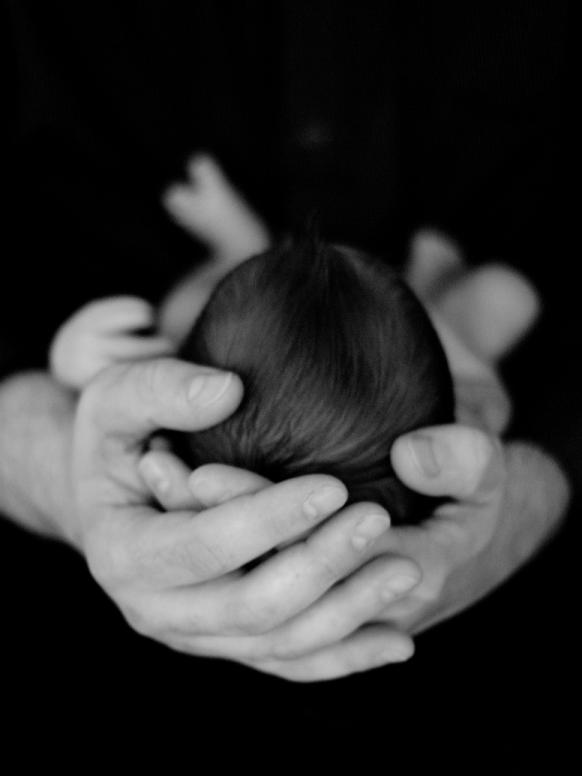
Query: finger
{"points": [[294, 578], [363, 598], [246, 604], [120, 348], [286, 584], [167, 478], [358, 600], [371, 647], [183, 549], [118, 313], [213, 484], [130, 401], [457, 461]]}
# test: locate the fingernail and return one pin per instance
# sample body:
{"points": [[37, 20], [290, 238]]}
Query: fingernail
{"points": [[397, 586], [368, 529], [154, 476], [208, 389], [324, 501], [424, 455]]}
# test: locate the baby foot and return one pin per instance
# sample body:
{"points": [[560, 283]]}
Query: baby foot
{"points": [[433, 261], [211, 209], [491, 308], [100, 334]]}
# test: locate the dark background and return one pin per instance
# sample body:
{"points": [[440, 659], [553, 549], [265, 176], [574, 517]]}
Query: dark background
{"points": [[384, 116]]}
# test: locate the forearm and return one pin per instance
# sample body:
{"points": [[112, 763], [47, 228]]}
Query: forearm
{"points": [[535, 502], [36, 417], [537, 498]]}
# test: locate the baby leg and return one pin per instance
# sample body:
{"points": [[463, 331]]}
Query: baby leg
{"points": [[211, 209]]}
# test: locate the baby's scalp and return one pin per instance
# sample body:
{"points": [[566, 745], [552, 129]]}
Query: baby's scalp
{"points": [[338, 358]]}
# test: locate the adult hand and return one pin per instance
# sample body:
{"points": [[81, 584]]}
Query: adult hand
{"points": [[180, 577], [507, 498]]}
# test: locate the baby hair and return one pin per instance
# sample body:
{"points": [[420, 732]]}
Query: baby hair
{"points": [[338, 358]]}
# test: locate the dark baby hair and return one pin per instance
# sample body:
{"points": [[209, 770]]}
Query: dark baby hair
{"points": [[337, 357]]}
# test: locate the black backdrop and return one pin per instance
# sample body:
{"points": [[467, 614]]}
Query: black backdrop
{"points": [[385, 116]]}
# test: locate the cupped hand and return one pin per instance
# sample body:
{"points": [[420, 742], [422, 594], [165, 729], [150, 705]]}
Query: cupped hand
{"points": [[470, 467], [508, 500], [207, 580], [505, 498], [505, 501]]}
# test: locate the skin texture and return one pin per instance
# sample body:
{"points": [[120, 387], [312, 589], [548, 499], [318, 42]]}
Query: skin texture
{"points": [[509, 499], [179, 580], [347, 597]]}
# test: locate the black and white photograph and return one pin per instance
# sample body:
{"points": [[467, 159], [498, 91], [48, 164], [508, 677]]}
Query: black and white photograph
{"points": [[290, 426]]}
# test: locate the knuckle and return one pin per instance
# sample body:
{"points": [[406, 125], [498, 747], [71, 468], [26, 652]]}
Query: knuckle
{"points": [[286, 526], [153, 379], [191, 624], [193, 560], [278, 527], [94, 400], [450, 535], [436, 588], [184, 557], [326, 568], [108, 563], [432, 589], [254, 619], [286, 650], [353, 661], [139, 622], [156, 382], [202, 558], [490, 471]]}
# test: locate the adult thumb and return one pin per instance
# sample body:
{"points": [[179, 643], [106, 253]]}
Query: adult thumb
{"points": [[457, 461], [139, 398]]}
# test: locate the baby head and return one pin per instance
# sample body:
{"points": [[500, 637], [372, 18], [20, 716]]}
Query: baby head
{"points": [[338, 358]]}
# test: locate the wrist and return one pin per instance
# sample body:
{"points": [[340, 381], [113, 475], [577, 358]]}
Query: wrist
{"points": [[534, 501], [538, 495], [36, 417]]}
